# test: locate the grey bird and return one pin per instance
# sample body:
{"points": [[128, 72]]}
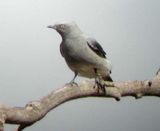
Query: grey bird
{"points": [[83, 54]]}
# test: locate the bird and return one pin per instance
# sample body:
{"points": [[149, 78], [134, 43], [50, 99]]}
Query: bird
{"points": [[83, 54]]}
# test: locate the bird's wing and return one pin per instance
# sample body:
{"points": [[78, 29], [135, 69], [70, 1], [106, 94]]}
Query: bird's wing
{"points": [[96, 47]]}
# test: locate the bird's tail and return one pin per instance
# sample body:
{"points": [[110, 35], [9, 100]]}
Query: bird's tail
{"points": [[108, 78]]}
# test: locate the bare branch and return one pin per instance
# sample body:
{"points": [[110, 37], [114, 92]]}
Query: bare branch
{"points": [[36, 110]]}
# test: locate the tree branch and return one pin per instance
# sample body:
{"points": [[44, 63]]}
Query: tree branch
{"points": [[36, 110]]}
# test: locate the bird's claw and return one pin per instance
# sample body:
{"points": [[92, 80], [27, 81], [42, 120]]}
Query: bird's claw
{"points": [[100, 84], [100, 88], [72, 84]]}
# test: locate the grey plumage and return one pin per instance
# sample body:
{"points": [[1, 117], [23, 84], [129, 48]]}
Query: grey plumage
{"points": [[84, 55]]}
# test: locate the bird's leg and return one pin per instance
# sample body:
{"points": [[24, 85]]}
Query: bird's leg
{"points": [[72, 82], [99, 82]]}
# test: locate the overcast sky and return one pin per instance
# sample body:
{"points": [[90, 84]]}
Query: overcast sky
{"points": [[31, 65]]}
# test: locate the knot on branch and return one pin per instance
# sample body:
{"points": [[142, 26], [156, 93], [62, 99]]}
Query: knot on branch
{"points": [[113, 92], [138, 95], [34, 105]]}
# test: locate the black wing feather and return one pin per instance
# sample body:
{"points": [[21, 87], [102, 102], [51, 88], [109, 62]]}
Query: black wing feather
{"points": [[96, 47]]}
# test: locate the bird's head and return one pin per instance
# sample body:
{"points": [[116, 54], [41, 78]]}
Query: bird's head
{"points": [[65, 28]]}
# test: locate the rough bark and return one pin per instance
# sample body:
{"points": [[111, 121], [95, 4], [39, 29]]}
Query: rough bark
{"points": [[36, 110]]}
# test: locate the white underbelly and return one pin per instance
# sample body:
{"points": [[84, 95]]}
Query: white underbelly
{"points": [[88, 70]]}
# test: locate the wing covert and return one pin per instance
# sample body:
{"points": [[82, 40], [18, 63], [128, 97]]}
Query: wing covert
{"points": [[96, 47]]}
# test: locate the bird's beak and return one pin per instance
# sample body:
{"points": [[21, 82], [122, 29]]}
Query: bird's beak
{"points": [[52, 27]]}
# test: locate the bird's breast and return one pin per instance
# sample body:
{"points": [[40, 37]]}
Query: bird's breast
{"points": [[73, 49]]}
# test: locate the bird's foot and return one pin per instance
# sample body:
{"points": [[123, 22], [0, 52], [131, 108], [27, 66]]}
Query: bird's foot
{"points": [[100, 88], [72, 83], [100, 84]]}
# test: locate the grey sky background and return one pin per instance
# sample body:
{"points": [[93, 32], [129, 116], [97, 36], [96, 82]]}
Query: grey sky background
{"points": [[31, 65]]}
